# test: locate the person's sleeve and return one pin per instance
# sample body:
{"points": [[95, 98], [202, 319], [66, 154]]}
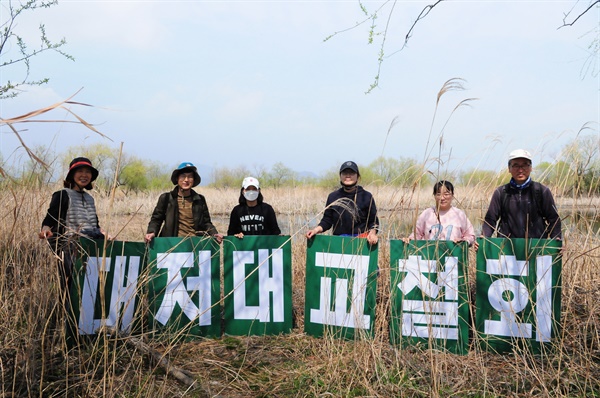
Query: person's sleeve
{"points": [[551, 214], [57, 211], [372, 219], [208, 225], [235, 226], [492, 216], [158, 215], [468, 230], [420, 226], [329, 215], [271, 219]]}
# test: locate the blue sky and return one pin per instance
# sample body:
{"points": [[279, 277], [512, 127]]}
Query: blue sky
{"points": [[252, 83]]}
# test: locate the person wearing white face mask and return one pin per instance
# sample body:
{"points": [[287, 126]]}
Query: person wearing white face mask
{"points": [[252, 216]]}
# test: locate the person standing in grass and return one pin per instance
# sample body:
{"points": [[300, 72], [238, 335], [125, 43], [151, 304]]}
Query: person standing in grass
{"points": [[350, 210], [182, 212], [443, 221], [71, 215], [522, 208], [252, 216]]}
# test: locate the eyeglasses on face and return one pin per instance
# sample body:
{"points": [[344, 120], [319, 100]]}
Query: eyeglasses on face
{"points": [[520, 166], [445, 194], [188, 176]]}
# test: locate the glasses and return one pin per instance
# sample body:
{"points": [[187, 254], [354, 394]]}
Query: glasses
{"points": [[520, 166], [186, 176], [348, 173], [445, 194]]}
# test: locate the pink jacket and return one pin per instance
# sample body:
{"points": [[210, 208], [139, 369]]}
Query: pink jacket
{"points": [[452, 224]]}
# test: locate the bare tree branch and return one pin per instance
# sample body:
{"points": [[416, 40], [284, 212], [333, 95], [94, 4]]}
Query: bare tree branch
{"points": [[565, 23], [424, 12]]}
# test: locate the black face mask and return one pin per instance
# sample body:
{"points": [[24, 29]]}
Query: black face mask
{"points": [[348, 187]]}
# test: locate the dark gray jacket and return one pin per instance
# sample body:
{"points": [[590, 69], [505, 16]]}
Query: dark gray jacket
{"points": [[515, 213], [167, 212]]}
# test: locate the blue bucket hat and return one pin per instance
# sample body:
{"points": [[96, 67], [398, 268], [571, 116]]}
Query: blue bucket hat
{"points": [[185, 167]]}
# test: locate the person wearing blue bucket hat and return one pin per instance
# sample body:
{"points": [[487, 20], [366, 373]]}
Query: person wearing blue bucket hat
{"points": [[182, 212]]}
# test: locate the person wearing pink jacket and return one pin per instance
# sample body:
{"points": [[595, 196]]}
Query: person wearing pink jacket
{"points": [[442, 221]]}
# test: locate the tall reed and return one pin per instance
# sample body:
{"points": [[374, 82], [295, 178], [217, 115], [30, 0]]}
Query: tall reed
{"points": [[35, 359]]}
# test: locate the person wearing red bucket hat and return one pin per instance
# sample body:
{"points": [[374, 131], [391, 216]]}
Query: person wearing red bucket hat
{"points": [[182, 212], [72, 215]]}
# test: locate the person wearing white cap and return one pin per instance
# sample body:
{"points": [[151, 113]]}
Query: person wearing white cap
{"points": [[350, 210], [522, 208], [252, 216], [182, 212]]}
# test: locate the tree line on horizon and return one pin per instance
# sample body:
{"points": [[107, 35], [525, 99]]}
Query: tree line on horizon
{"points": [[575, 171]]}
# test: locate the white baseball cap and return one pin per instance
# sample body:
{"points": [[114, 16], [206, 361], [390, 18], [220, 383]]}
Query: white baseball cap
{"points": [[250, 181], [519, 153]]}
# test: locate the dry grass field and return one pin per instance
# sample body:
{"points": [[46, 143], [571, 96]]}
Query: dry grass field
{"points": [[35, 361]]}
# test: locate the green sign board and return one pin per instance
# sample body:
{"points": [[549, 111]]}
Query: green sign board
{"points": [[184, 288], [518, 293], [105, 289], [341, 284], [258, 285], [429, 294]]}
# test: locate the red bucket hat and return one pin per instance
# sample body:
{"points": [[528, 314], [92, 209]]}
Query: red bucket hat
{"points": [[81, 162]]}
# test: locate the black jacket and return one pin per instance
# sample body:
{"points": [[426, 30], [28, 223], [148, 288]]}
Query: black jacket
{"points": [[256, 220], [526, 213], [341, 217], [166, 214]]}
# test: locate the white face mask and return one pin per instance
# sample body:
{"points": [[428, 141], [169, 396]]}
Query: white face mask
{"points": [[251, 195]]}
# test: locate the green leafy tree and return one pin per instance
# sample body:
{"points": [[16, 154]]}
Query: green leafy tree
{"points": [[557, 175], [583, 156], [330, 179], [34, 173], [280, 175], [402, 172], [134, 176], [382, 171], [159, 177], [481, 178], [225, 177]]}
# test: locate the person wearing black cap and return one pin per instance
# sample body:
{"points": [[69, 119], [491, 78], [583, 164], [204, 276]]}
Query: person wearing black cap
{"points": [[182, 212], [71, 215], [350, 210]]}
